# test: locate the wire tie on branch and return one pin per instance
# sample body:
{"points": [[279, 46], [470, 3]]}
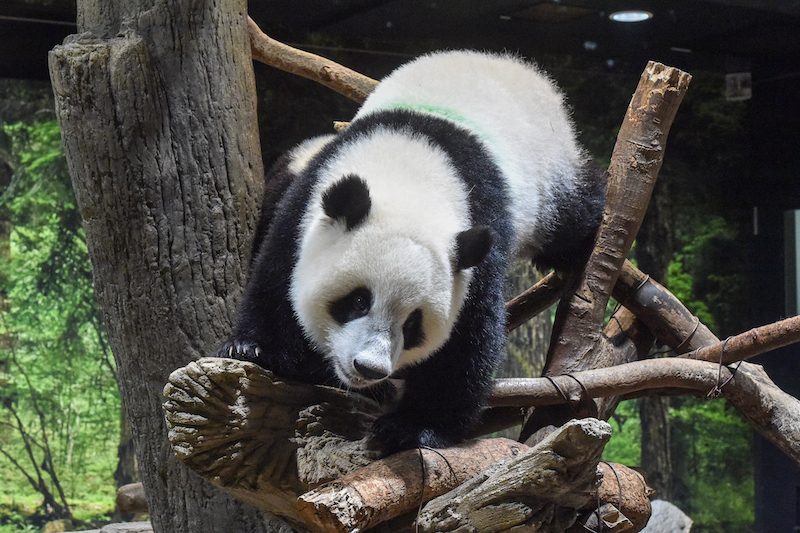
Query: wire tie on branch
{"points": [[619, 492], [688, 337], [639, 287], [563, 394], [632, 293], [619, 481], [422, 468], [585, 397], [716, 391]]}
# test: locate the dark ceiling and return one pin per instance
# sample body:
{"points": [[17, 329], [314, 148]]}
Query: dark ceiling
{"points": [[726, 35]]}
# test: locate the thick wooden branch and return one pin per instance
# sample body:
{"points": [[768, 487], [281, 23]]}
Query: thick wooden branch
{"points": [[341, 79], [396, 485], [750, 343], [669, 320], [263, 439], [577, 342], [535, 300], [769, 410], [622, 380], [637, 376], [624, 502]]}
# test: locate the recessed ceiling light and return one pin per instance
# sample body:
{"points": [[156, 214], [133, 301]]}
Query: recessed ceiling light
{"points": [[633, 15]]}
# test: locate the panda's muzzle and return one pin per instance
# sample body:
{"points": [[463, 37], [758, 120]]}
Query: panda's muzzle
{"points": [[374, 361], [370, 370]]}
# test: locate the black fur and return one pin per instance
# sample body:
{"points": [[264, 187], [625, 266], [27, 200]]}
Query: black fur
{"points": [[347, 200], [472, 246], [352, 306], [413, 334], [567, 246]]}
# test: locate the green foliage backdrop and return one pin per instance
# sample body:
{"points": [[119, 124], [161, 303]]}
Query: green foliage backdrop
{"points": [[60, 412]]}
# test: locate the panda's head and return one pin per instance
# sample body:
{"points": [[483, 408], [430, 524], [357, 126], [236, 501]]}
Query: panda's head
{"points": [[373, 298]]}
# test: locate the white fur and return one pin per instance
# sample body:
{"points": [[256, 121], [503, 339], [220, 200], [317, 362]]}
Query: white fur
{"points": [[402, 252], [305, 151], [512, 106]]}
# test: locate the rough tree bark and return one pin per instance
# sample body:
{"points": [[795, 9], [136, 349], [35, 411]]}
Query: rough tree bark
{"points": [[156, 103]]}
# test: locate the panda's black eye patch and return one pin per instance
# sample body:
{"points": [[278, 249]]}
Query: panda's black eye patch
{"points": [[355, 305], [412, 330]]}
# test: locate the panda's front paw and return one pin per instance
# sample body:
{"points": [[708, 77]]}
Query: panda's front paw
{"points": [[241, 350], [395, 432]]}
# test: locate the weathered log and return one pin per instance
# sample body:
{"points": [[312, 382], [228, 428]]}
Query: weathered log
{"points": [[341, 79], [263, 439], [393, 486], [544, 486], [267, 441]]}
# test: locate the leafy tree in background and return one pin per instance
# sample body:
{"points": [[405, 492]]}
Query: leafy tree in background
{"points": [[60, 404]]}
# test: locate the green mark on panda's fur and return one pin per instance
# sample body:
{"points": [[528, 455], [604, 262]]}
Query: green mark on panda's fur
{"points": [[443, 112]]}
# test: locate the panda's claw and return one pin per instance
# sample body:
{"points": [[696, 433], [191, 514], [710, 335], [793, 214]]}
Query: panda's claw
{"points": [[241, 350]]}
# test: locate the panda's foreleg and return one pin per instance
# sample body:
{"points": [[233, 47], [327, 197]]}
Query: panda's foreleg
{"points": [[267, 332], [444, 396]]}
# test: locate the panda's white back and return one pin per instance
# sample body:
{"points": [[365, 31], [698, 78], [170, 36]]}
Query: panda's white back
{"points": [[512, 107]]}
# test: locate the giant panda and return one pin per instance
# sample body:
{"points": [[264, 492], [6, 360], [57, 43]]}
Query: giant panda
{"points": [[381, 269]]}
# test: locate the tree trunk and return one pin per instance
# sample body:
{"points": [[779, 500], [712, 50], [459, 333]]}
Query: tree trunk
{"points": [[656, 459], [126, 472], [654, 250], [156, 103]]}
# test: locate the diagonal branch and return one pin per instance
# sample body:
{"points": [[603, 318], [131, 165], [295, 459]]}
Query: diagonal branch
{"points": [[635, 163], [341, 79]]}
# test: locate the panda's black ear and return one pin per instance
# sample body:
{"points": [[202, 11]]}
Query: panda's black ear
{"points": [[472, 246], [347, 200]]}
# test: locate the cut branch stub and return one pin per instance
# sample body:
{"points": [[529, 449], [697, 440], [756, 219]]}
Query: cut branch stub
{"points": [[263, 439]]}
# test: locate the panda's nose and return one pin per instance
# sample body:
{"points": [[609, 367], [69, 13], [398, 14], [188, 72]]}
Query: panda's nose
{"points": [[371, 369]]}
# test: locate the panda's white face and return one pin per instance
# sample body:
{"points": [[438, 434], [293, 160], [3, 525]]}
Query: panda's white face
{"points": [[388, 302], [380, 277], [388, 305]]}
